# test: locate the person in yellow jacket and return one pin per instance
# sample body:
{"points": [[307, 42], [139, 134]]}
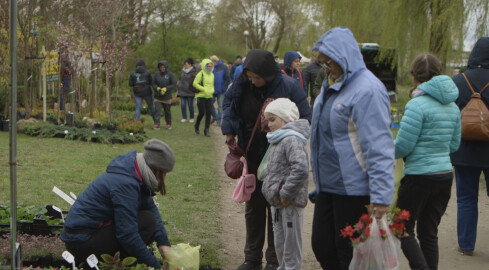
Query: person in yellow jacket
{"points": [[204, 82]]}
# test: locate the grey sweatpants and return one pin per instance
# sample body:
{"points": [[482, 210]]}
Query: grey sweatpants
{"points": [[287, 230]]}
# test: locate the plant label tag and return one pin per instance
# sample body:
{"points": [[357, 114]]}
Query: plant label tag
{"points": [[63, 195], [55, 208], [92, 261], [68, 257]]}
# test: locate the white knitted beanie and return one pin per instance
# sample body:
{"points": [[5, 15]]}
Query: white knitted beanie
{"points": [[283, 108]]}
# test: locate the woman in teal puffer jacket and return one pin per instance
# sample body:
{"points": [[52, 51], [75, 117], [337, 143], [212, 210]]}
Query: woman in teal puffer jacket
{"points": [[430, 131]]}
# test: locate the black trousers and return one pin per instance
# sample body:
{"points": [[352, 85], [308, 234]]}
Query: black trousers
{"points": [[258, 226], [104, 241], [205, 107], [332, 213], [426, 198], [167, 111]]}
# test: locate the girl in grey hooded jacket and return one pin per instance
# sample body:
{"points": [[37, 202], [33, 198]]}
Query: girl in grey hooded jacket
{"points": [[285, 185]]}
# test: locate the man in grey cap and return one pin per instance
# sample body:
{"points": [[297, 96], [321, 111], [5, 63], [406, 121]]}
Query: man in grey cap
{"points": [[117, 212]]}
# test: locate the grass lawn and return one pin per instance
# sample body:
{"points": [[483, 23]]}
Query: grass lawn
{"points": [[190, 207]]}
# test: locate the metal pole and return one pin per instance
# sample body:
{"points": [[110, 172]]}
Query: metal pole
{"points": [[13, 131], [246, 38]]}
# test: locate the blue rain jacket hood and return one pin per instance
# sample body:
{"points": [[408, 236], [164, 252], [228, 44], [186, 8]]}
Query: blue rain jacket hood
{"points": [[352, 149], [346, 53]]}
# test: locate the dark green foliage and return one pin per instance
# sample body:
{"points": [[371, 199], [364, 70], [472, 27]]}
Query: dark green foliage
{"points": [[114, 262], [131, 127], [46, 130]]}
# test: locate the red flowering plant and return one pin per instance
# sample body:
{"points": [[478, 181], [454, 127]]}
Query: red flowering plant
{"points": [[359, 232]]}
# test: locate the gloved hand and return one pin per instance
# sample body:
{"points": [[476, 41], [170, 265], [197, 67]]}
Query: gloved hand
{"points": [[161, 90]]}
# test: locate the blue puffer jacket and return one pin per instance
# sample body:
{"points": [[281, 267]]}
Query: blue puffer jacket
{"points": [[430, 128], [352, 149], [221, 78], [117, 196]]}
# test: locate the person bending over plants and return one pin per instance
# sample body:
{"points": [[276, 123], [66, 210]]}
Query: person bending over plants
{"points": [[117, 212]]}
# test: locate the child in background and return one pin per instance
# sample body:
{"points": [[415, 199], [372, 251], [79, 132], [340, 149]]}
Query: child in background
{"points": [[285, 186]]}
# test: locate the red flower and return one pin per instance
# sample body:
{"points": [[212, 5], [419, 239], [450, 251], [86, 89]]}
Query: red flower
{"points": [[405, 215], [361, 231], [347, 231]]}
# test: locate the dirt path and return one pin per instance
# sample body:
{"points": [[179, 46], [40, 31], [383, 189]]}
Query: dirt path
{"points": [[233, 227]]}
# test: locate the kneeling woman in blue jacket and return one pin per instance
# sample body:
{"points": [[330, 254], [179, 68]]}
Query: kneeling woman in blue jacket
{"points": [[430, 131], [117, 212]]}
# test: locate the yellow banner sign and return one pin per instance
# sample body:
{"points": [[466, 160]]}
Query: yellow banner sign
{"points": [[52, 66]]}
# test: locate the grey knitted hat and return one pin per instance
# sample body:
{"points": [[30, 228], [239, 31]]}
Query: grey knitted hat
{"points": [[158, 155]]}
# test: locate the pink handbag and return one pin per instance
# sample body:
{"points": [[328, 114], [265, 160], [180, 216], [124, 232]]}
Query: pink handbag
{"points": [[246, 185]]}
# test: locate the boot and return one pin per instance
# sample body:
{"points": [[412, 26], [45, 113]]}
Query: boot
{"points": [[196, 129], [206, 132]]}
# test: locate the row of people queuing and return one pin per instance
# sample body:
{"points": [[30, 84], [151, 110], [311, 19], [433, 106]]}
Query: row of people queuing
{"points": [[352, 154]]}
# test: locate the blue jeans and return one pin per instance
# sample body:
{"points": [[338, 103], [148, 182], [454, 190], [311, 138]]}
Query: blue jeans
{"points": [[139, 105], [220, 99], [467, 179], [184, 102]]}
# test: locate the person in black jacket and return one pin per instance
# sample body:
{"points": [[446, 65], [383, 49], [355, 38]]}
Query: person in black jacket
{"points": [[472, 157], [261, 79], [117, 211], [140, 81], [310, 78], [163, 85]]}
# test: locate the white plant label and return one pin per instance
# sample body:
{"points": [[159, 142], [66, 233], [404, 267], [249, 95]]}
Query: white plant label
{"points": [[63, 195], [92, 261], [68, 257], [55, 208]]}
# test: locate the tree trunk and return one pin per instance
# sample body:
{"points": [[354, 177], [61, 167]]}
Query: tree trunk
{"points": [[107, 94]]}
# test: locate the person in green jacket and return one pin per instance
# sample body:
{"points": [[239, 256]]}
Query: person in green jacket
{"points": [[430, 131], [204, 82]]}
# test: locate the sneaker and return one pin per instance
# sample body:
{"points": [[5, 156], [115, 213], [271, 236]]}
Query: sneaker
{"points": [[183, 120], [191, 120], [466, 253], [271, 266], [156, 127], [250, 265], [168, 126]]}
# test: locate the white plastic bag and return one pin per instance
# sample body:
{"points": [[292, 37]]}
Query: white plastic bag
{"points": [[377, 253]]}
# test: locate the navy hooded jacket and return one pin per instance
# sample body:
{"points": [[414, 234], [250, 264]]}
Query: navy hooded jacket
{"points": [[116, 197], [221, 78], [296, 73], [473, 153], [141, 76]]}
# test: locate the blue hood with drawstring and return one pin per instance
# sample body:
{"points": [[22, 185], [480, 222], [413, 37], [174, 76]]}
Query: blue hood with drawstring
{"points": [[352, 149]]}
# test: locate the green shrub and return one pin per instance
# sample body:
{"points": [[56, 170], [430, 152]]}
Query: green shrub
{"points": [[131, 126], [47, 130]]}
